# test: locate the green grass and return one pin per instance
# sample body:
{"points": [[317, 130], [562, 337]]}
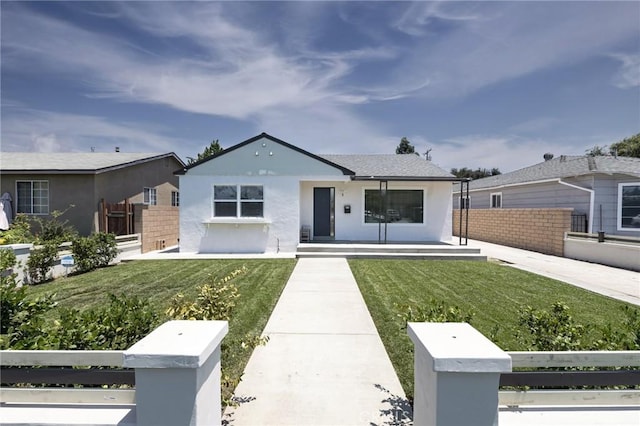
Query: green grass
{"points": [[157, 281], [494, 293]]}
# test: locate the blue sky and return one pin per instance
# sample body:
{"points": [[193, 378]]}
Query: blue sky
{"points": [[481, 84]]}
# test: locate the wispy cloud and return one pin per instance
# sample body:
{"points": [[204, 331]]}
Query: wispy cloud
{"points": [[628, 75], [499, 41], [25, 129]]}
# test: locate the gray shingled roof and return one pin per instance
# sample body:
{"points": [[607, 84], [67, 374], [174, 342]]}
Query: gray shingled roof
{"points": [[388, 165], [563, 167], [78, 162]]}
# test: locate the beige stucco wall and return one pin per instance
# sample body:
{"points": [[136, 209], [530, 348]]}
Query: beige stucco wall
{"points": [[540, 230]]}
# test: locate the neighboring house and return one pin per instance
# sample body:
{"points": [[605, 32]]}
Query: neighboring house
{"points": [[266, 195], [41, 183], [604, 190]]}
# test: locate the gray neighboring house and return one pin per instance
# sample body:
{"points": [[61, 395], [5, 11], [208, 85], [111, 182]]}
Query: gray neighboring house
{"points": [[604, 190], [40, 183]]}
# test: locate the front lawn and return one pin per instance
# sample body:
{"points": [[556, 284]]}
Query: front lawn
{"points": [[157, 281], [494, 293]]}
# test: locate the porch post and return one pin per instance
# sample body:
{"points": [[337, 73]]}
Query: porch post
{"points": [[178, 374], [457, 372]]}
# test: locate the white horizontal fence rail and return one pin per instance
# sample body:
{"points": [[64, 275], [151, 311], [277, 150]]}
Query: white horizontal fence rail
{"points": [[62, 358], [177, 381], [576, 359], [35, 358], [614, 359]]}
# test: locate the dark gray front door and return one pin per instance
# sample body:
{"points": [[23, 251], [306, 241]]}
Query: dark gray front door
{"points": [[323, 213]]}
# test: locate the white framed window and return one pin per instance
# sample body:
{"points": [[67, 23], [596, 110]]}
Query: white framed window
{"points": [[150, 196], [496, 200], [175, 198], [629, 206], [465, 202], [238, 201], [32, 197], [402, 206]]}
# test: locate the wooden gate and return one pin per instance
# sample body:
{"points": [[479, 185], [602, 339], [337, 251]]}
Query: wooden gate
{"points": [[116, 218]]}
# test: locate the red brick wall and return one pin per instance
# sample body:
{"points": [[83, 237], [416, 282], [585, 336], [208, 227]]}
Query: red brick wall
{"points": [[540, 230], [157, 224]]}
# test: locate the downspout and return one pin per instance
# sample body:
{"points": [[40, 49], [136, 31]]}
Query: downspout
{"points": [[591, 200]]}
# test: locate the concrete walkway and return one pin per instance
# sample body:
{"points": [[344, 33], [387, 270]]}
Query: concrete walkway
{"points": [[613, 282], [324, 363]]}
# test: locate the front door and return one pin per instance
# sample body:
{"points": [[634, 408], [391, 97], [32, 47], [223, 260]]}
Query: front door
{"points": [[323, 213]]}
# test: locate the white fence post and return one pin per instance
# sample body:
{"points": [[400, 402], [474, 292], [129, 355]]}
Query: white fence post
{"points": [[178, 374], [457, 371]]}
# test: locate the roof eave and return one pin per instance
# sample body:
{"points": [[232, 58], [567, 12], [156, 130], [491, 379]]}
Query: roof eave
{"points": [[411, 178]]}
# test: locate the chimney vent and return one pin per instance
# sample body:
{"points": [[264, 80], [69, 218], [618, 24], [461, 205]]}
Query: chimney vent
{"points": [[547, 156], [117, 149]]}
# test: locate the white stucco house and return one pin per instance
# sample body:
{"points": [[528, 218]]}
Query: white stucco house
{"points": [[265, 195]]}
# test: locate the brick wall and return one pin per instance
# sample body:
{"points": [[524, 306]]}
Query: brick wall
{"points": [[540, 230], [157, 224]]}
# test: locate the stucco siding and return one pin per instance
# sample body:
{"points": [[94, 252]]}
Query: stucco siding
{"points": [[64, 191], [436, 224], [200, 232]]}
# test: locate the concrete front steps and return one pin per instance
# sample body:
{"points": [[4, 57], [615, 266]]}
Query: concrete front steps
{"points": [[434, 251]]}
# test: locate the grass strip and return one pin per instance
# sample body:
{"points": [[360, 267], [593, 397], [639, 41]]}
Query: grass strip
{"points": [[494, 293]]}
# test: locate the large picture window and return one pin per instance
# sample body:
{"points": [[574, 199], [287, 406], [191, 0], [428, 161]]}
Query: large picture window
{"points": [[402, 206], [238, 201], [629, 206], [33, 197]]}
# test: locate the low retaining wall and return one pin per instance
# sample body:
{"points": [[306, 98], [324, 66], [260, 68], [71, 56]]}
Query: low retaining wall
{"points": [[540, 230], [612, 252]]}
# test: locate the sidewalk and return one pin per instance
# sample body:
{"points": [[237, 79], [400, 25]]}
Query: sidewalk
{"points": [[324, 363], [613, 282]]}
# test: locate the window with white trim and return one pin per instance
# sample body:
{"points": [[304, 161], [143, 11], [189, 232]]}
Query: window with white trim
{"points": [[402, 206], [238, 201], [150, 196], [175, 198], [496, 200], [629, 206], [32, 196]]}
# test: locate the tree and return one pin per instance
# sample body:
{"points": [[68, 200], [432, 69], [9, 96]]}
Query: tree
{"points": [[405, 147], [475, 174], [596, 151], [627, 147], [212, 149]]}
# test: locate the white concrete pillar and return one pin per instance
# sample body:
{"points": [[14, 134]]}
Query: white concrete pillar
{"points": [[457, 371], [178, 374]]}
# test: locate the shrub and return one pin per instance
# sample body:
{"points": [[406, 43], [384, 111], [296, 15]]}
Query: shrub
{"points": [[550, 331], [624, 336], [22, 321], [54, 230], [41, 259], [106, 248], [215, 300], [117, 326], [94, 251], [19, 232], [435, 311], [26, 324]]}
